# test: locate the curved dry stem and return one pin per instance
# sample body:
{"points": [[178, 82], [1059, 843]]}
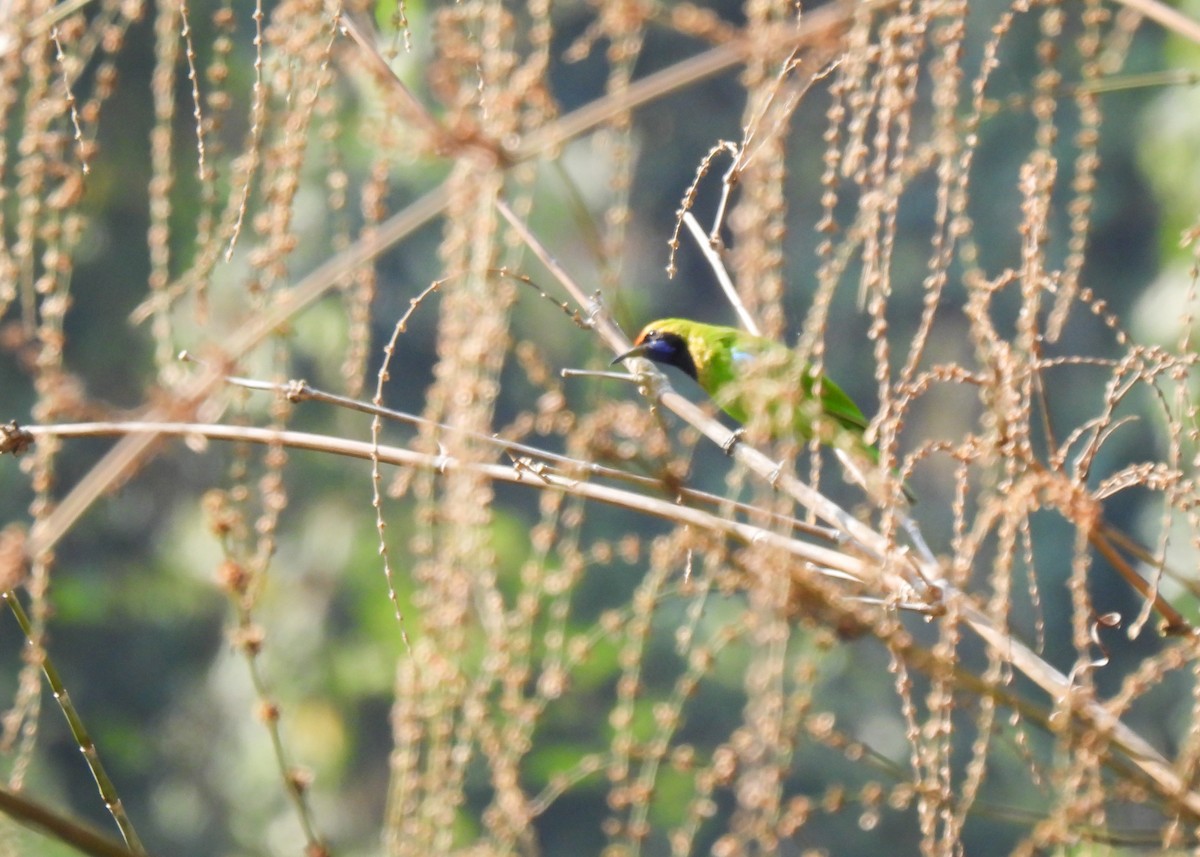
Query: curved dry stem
{"points": [[822, 558]]}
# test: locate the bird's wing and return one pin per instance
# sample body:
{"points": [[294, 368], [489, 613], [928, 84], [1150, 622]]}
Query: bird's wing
{"points": [[838, 405]]}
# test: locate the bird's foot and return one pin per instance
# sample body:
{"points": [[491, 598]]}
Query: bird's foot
{"points": [[732, 441]]}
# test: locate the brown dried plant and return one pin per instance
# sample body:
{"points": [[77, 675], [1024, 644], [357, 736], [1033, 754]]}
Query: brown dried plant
{"points": [[602, 634]]}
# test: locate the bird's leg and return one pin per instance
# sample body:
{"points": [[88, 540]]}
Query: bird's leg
{"points": [[735, 437]]}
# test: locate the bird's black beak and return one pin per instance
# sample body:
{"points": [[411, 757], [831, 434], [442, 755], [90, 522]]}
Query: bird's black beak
{"points": [[636, 351]]}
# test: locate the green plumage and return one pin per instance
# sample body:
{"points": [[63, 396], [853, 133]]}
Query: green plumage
{"points": [[752, 378]]}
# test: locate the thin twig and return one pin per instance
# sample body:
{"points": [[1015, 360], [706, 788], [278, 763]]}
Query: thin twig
{"points": [[79, 732], [718, 266], [71, 833]]}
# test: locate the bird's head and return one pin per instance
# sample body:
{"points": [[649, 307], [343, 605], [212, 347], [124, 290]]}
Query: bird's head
{"points": [[664, 342]]}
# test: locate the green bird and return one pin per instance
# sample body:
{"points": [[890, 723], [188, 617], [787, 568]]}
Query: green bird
{"points": [[747, 375]]}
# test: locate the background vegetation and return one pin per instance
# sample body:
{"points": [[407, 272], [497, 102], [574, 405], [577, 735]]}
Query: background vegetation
{"points": [[282, 622]]}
